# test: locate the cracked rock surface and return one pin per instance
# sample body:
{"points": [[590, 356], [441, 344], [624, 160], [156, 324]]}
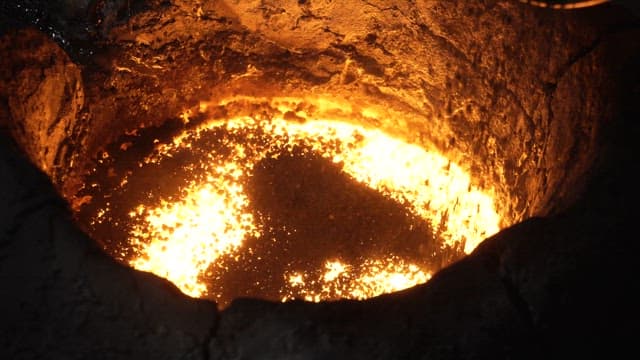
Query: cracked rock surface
{"points": [[542, 102]]}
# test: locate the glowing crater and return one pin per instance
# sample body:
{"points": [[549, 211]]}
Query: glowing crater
{"points": [[198, 229]]}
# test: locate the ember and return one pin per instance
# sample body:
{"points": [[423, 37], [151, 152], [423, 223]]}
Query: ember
{"points": [[308, 208]]}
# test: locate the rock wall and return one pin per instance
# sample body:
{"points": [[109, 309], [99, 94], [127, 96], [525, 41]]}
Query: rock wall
{"points": [[490, 83], [64, 298], [547, 100], [43, 92]]}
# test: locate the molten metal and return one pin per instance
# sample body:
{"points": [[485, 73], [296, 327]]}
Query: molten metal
{"points": [[200, 229]]}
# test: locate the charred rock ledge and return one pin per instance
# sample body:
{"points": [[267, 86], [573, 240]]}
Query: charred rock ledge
{"points": [[504, 79]]}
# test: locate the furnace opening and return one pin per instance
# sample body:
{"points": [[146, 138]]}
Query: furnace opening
{"points": [[374, 159], [281, 204]]}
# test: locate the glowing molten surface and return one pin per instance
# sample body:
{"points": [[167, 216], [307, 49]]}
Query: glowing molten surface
{"points": [[206, 223], [375, 277]]}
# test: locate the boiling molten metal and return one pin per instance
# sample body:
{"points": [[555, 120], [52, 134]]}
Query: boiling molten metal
{"points": [[202, 229]]}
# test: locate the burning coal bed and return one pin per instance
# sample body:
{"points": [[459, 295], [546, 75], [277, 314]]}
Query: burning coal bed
{"points": [[278, 209]]}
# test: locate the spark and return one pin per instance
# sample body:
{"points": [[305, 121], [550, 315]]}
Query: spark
{"points": [[184, 238]]}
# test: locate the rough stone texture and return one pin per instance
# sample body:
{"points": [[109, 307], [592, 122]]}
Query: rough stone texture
{"points": [[490, 83], [546, 100], [465, 312], [43, 91], [63, 298]]}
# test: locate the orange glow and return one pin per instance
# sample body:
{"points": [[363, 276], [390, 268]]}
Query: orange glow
{"points": [[341, 281], [185, 238], [567, 6]]}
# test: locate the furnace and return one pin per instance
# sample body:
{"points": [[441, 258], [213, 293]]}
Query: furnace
{"points": [[230, 179]]}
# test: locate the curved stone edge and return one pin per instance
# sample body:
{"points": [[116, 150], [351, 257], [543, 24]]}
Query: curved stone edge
{"points": [[574, 306], [62, 297], [475, 78]]}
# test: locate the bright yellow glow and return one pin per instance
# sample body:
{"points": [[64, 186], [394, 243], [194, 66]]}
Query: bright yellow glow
{"points": [[334, 270], [183, 238], [339, 280]]}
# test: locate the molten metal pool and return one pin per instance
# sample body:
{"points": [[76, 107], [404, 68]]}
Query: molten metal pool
{"points": [[284, 207]]}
